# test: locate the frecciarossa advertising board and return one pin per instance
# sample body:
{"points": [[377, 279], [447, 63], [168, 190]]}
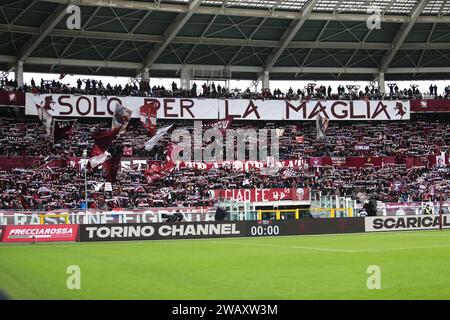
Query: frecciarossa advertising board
{"points": [[187, 230], [40, 233], [61, 105]]}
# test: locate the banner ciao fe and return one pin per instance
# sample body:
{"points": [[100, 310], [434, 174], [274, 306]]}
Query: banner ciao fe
{"points": [[208, 109]]}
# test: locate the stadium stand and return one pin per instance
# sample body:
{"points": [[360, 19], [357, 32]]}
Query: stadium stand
{"points": [[60, 185], [330, 41]]}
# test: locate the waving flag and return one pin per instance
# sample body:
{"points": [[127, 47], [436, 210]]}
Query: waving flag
{"points": [[112, 165], [43, 113], [121, 117], [102, 141], [62, 129], [150, 144], [148, 117], [99, 159], [157, 171], [322, 127], [98, 186]]}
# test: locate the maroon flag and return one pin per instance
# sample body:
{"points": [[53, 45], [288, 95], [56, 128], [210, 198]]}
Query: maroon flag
{"points": [[112, 165], [43, 113], [148, 117], [62, 129], [102, 141], [23, 202], [157, 171]]}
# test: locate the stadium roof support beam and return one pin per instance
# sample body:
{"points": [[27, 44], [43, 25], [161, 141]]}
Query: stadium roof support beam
{"points": [[402, 34], [288, 35], [224, 41], [248, 12], [286, 40], [170, 33], [247, 69], [44, 30]]}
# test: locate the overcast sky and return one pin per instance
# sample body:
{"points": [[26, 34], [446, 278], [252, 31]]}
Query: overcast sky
{"points": [[239, 84]]}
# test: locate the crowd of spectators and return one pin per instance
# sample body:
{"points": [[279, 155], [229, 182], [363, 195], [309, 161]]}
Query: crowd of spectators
{"points": [[63, 188], [417, 138], [211, 90], [49, 188]]}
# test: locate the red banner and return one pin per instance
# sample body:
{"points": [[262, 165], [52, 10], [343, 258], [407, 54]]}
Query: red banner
{"points": [[243, 165], [338, 161], [9, 163], [432, 105], [360, 162], [346, 162], [42, 233], [433, 160], [263, 195], [10, 98]]}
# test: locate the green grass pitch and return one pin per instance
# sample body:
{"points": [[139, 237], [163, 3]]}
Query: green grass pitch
{"points": [[413, 265]]}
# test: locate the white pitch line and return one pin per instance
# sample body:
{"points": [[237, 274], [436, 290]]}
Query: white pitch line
{"points": [[289, 247], [396, 249], [332, 250]]}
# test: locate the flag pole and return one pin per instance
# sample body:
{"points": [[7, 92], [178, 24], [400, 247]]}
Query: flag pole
{"points": [[85, 181]]}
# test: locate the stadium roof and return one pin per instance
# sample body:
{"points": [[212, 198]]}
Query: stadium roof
{"points": [[291, 39]]}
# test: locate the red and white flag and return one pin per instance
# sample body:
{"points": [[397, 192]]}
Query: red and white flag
{"points": [[102, 141], [147, 115], [43, 113], [99, 159]]}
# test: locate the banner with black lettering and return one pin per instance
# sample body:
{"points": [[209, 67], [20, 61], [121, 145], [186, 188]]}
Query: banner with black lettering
{"points": [[216, 109], [98, 106], [402, 223], [226, 229]]}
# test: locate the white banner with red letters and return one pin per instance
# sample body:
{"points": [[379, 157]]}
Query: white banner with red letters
{"points": [[61, 105]]}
